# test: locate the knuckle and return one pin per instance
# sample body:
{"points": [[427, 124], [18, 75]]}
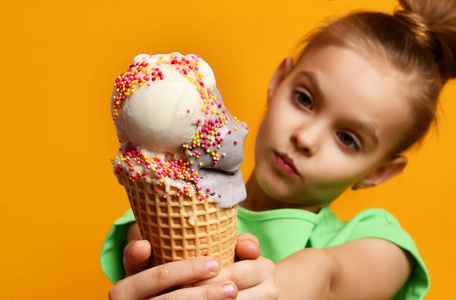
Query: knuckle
{"points": [[196, 268], [247, 238], [131, 269], [213, 292], [235, 275], [252, 238], [269, 290], [274, 289], [162, 274], [116, 293], [128, 247], [269, 265], [273, 292]]}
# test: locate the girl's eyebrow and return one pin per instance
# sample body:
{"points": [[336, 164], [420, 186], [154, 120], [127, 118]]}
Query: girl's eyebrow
{"points": [[369, 131], [313, 81]]}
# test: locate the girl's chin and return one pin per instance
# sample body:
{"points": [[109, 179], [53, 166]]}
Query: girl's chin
{"points": [[278, 191]]}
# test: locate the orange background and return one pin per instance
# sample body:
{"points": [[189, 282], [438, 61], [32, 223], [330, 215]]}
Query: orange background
{"points": [[59, 62]]}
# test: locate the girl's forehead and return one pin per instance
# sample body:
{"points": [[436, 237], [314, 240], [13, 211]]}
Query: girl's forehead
{"points": [[347, 58], [355, 89], [346, 72]]}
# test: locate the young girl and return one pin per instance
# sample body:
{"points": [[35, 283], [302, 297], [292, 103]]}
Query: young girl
{"points": [[363, 90]]}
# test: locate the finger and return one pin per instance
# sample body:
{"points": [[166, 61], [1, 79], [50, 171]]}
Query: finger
{"points": [[215, 291], [161, 278], [247, 246], [265, 290], [136, 256], [245, 274]]}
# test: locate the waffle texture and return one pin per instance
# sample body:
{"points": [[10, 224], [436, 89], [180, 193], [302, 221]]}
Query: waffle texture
{"points": [[178, 226]]}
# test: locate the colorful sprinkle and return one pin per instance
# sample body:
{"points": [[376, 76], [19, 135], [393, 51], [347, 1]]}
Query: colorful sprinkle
{"points": [[207, 139]]}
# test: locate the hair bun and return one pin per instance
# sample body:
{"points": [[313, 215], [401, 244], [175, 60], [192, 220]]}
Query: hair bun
{"points": [[417, 25], [434, 24]]}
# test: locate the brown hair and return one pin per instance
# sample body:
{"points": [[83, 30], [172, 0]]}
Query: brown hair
{"points": [[418, 40]]}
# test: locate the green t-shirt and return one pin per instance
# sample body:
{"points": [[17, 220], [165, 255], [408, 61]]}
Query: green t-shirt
{"points": [[282, 232]]}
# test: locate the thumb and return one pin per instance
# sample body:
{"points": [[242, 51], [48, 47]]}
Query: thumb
{"points": [[136, 256], [248, 246]]}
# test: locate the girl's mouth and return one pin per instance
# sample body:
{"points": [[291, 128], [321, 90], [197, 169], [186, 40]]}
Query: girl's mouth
{"points": [[285, 164]]}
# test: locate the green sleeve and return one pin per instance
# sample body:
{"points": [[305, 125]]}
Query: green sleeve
{"points": [[111, 256], [377, 223]]}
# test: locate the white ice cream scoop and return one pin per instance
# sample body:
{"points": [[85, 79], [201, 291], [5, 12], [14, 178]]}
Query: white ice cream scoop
{"points": [[161, 111]]}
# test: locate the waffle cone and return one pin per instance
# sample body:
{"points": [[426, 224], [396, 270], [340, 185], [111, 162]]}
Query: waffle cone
{"points": [[178, 226]]}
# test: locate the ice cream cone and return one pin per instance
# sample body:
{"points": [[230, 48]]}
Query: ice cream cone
{"points": [[179, 226]]}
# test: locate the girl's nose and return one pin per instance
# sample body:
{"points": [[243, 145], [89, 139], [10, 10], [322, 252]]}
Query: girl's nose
{"points": [[307, 139]]}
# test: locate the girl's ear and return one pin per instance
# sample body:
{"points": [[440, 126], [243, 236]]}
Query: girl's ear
{"points": [[280, 73], [381, 174]]}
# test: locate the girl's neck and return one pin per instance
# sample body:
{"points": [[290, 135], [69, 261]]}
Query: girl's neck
{"points": [[258, 200]]}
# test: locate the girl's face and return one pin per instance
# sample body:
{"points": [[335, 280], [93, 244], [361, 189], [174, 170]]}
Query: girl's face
{"points": [[331, 122]]}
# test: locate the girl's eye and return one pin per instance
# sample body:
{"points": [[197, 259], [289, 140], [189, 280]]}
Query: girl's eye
{"points": [[304, 100], [348, 140]]}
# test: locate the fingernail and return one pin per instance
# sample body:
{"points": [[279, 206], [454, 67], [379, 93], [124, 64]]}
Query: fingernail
{"points": [[212, 265], [229, 291], [132, 245]]}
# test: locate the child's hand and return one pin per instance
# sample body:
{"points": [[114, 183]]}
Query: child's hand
{"points": [[151, 283], [254, 276], [137, 260], [137, 252]]}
